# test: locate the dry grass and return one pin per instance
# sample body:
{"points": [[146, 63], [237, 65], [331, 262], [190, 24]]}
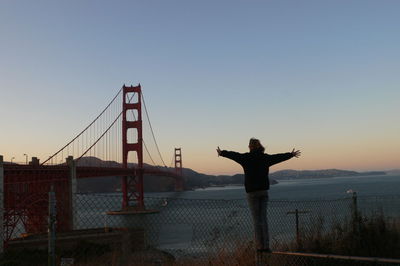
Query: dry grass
{"points": [[243, 256], [372, 236]]}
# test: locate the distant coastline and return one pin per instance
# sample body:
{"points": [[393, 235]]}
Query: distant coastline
{"points": [[327, 173]]}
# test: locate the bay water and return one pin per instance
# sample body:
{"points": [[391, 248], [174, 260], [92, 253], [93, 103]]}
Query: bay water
{"points": [[205, 220], [304, 189]]}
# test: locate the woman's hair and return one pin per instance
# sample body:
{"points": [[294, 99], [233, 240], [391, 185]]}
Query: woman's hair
{"points": [[255, 144]]}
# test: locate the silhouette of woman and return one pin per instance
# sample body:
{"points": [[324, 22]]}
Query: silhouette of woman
{"points": [[256, 165]]}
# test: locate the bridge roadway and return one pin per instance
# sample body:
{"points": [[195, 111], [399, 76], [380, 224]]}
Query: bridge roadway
{"points": [[20, 173]]}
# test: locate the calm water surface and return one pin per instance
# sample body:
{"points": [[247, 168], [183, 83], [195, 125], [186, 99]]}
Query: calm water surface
{"points": [[304, 189]]}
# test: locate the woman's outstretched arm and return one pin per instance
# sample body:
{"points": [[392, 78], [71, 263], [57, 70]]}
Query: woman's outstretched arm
{"points": [[235, 156], [280, 157]]}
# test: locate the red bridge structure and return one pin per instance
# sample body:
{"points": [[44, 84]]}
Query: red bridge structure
{"points": [[112, 145]]}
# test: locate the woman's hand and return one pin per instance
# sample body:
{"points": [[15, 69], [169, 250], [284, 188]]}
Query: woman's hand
{"points": [[296, 153], [218, 151]]}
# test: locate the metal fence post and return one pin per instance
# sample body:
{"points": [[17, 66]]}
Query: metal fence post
{"points": [[355, 213], [1, 205], [296, 212], [52, 228], [355, 208], [297, 228], [73, 190]]}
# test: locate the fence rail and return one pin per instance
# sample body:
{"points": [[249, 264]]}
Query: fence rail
{"points": [[339, 257]]}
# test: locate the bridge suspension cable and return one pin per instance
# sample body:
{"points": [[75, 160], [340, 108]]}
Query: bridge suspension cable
{"points": [[144, 143], [82, 132], [152, 132], [105, 132], [172, 160], [148, 153]]}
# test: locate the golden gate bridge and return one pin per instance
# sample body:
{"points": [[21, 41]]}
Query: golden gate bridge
{"points": [[112, 145]]}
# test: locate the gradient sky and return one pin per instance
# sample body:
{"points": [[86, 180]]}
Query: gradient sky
{"points": [[320, 76]]}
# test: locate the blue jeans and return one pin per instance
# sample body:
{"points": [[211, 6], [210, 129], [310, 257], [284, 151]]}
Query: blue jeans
{"points": [[258, 207]]}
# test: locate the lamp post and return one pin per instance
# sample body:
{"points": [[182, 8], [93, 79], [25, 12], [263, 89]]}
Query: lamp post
{"points": [[26, 158], [12, 159]]}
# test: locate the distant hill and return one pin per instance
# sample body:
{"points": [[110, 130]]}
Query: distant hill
{"points": [[293, 174], [393, 172], [194, 179], [113, 183]]}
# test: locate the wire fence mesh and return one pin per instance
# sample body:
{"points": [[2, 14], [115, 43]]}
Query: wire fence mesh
{"points": [[176, 231]]}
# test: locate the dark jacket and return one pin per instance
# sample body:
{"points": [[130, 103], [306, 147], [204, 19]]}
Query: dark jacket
{"points": [[256, 167]]}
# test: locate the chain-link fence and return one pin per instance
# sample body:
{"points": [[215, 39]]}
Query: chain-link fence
{"points": [[176, 231]]}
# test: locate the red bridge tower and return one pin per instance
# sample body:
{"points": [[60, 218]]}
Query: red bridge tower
{"points": [[132, 186]]}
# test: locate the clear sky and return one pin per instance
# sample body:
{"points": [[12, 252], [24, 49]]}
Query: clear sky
{"points": [[320, 76]]}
